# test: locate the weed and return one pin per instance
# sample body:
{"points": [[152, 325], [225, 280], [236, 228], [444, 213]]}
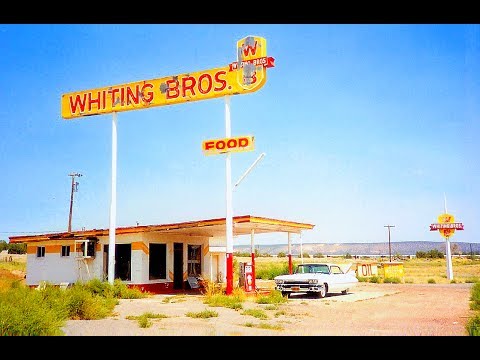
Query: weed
{"points": [[257, 313], [205, 314]]}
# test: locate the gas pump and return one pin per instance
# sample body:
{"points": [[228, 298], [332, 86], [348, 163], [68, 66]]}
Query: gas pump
{"points": [[246, 277]]}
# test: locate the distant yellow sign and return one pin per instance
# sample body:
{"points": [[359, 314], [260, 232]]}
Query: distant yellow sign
{"points": [[393, 270], [446, 225], [246, 75], [234, 144]]}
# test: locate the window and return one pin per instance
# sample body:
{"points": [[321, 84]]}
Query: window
{"points": [[336, 270], [65, 250], [194, 261], [157, 266], [40, 251]]}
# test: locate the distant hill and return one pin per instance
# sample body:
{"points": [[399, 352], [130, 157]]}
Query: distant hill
{"points": [[378, 249]]}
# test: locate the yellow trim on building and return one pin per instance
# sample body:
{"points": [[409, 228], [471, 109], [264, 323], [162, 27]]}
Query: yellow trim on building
{"points": [[140, 245]]}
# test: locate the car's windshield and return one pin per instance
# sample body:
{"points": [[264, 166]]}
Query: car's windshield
{"points": [[312, 268]]}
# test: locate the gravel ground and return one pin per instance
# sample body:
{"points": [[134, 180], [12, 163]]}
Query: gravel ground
{"points": [[368, 310]]}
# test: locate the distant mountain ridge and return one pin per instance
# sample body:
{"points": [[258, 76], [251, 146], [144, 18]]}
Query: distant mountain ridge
{"points": [[378, 249]]}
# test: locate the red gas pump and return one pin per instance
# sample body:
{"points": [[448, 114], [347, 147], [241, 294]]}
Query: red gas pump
{"points": [[246, 277]]}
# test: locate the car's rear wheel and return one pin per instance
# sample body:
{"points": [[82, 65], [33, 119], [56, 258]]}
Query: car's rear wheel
{"points": [[323, 291], [285, 294]]}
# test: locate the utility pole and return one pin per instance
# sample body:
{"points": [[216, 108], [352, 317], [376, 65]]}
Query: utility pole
{"points": [[74, 188], [389, 246]]}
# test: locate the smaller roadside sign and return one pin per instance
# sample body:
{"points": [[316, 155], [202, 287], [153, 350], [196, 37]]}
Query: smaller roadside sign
{"points": [[446, 225], [224, 145]]}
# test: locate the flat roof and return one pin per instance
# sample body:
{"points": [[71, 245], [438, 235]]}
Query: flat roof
{"points": [[242, 225]]}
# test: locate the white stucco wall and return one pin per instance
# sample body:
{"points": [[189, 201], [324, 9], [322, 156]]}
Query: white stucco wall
{"points": [[56, 269]]}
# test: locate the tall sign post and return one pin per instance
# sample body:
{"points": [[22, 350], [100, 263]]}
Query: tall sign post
{"points": [[245, 75], [446, 226], [251, 74]]}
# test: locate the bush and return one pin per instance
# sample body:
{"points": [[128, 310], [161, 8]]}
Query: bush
{"points": [[205, 314], [431, 254], [233, 301], [82, 304], [475, 297], [274, 297], [257, 313], [27, 312], [392, 280], [473, 326]]}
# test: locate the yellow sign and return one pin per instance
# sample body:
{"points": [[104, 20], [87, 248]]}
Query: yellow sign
{"points": [[393, 270], [220, 146], [446, 219], [446, 225], [246, 75]]}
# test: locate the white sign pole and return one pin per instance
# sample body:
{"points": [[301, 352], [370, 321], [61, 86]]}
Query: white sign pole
{"points": [[449, 260], [228, 195], [447, 245], [113, 204]]}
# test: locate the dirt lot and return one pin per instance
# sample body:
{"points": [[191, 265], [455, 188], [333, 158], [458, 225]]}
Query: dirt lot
{"points": [[368, 310]]}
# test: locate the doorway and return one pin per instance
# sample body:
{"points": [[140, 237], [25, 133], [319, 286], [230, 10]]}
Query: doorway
{"points": [[123, 261], [178, 266]]}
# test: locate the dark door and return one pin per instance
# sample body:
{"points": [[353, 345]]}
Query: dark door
{"points": [[178, 266], [123, 258]]}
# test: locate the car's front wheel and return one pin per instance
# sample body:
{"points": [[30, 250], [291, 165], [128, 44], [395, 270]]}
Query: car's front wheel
{"points": [[323, 291]]}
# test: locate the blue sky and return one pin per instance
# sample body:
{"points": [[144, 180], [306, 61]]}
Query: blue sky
{"points": [[363, 125]]}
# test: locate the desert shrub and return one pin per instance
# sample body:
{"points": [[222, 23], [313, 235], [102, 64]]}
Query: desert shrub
{"points": [[118, 289], [27, 312], [431, 254], [211, 288], [472, 280], [281, 254], [257, 313], [205, 314], [473, 326], [431, 281], [144, 320], [82, 304], [392, 280], [475, 297], [273, 297], [363, 279], [264, 326], [375, 279], [232, 301]]}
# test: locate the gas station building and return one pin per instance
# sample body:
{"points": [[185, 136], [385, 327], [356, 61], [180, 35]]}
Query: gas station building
{"points": [[153, 258]]}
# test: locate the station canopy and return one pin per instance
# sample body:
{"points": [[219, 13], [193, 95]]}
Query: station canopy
{"points": [[242, 225]]}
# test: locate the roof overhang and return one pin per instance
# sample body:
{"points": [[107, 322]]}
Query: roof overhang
{"points": [[242, 225]]}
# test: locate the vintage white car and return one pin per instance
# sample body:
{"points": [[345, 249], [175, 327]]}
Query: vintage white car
{"points": [[316, 278]]}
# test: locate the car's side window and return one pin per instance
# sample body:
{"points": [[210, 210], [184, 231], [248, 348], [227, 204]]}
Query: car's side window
{"points": [[336, 270]]}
